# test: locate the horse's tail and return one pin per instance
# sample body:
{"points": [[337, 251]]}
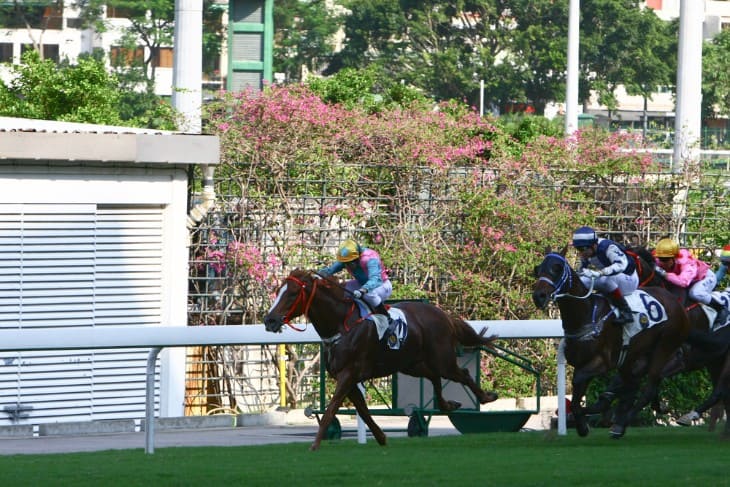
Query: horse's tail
{"points": [[468, 336]]}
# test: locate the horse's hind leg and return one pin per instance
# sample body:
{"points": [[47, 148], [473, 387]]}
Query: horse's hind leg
{"points": [[463, 376], [358, 401], [457, 374], [422, 370]]}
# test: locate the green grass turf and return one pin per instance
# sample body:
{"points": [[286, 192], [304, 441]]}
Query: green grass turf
{"points": [[644, 457]]}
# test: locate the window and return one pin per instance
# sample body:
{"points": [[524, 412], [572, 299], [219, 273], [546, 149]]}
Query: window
{"points": [[73, 23], [50, 51], [121, 12], [123, 56], [6, 52], [52, 17], [163, 58], [15, 15]]}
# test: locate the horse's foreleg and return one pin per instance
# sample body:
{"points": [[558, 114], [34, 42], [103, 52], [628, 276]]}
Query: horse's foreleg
{"points": [[358, 400], [345, 383], [624, 411], [581, 380], [606, 398]]}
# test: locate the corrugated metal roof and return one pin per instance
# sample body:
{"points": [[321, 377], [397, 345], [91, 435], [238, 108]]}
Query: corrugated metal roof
{"points": [[12, 124], [25, 139]]}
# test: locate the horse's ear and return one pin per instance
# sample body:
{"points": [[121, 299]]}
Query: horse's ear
{"points": [[564, 251]]}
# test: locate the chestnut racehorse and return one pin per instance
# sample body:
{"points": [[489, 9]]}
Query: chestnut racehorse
{"points": [[355, 353]]}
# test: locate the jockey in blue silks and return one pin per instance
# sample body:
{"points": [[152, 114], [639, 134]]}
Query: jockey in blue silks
{"points": [[614, 272], [370, 280]]}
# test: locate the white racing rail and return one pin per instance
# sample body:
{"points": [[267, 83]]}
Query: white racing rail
{"points": [[158, 337]]}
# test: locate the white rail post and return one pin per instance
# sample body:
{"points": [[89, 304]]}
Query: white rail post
{"points": [[149, 422], [562, 415], [360, 423]]}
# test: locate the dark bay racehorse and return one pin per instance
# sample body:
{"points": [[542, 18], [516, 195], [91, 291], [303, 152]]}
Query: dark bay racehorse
{"points": [[593, 343], [355, 353], [704, 347]]}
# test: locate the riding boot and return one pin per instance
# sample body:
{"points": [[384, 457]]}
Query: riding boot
{"points": [[380, 309], [625, 314], [722, 312]]}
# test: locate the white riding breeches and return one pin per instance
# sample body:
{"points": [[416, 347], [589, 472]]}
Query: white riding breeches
{"points": [[701, 291], [374, 297], [607, 284]]}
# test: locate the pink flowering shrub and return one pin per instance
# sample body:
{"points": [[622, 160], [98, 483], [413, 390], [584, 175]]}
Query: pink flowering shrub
{"points": [[460, 211]]}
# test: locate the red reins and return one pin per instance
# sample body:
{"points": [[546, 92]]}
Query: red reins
{"points": [[302, 297]]}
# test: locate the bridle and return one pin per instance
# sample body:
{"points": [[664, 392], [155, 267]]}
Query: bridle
{"points": [[306, 302], [565, 278], [589, 330], [301, 299]]}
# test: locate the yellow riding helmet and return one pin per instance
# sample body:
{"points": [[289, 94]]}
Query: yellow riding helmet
{"points": [[666, 248], [349, 251]]}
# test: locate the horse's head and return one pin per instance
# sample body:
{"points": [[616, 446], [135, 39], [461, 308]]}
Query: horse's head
{"points": [[291, 300], [554, 276]]}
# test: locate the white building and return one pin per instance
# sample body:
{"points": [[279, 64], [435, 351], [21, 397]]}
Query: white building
{"points": [[94, 234], [58, 34]]}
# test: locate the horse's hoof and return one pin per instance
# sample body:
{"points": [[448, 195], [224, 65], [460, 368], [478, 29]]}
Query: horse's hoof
{"points": [[489, 397], [581, 426], [617, 431], [314, 447], [448, 406]]}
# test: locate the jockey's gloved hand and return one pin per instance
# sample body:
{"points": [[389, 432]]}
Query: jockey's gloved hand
{"points": [[661, 272], [590, 273], [359, 293]]}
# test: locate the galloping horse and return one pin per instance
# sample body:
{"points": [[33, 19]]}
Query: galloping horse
{"points": [[355, 354], [594, 344], [705, 348]]}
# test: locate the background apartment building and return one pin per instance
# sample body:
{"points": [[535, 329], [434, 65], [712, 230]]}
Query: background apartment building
{"points": [[58, 34]]}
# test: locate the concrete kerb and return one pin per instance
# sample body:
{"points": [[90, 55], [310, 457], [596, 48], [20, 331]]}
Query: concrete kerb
{"points": [[274, 417], [76, 428]]}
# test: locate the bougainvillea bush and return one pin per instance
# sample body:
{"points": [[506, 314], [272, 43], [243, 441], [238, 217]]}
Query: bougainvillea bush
{"points": [[460, 210]]}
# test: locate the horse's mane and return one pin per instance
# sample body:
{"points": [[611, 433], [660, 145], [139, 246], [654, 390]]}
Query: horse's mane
{"points": [[332, 284], [644, 253]]}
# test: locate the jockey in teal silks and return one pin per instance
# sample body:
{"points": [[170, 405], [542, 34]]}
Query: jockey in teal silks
{"points": [[370, 280]]}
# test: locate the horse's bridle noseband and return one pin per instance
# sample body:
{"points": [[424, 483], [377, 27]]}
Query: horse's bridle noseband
{"points": [[300, 299], [589, 330]]}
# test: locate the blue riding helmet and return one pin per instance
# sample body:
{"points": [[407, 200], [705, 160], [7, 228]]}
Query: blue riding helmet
{"points": [[584, 237]]}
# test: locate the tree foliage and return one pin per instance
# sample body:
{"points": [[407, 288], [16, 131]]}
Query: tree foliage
{"points": [[40, 89], [716, 76], [517, 47], [304, 36], [83, 92], [624, 44]]}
